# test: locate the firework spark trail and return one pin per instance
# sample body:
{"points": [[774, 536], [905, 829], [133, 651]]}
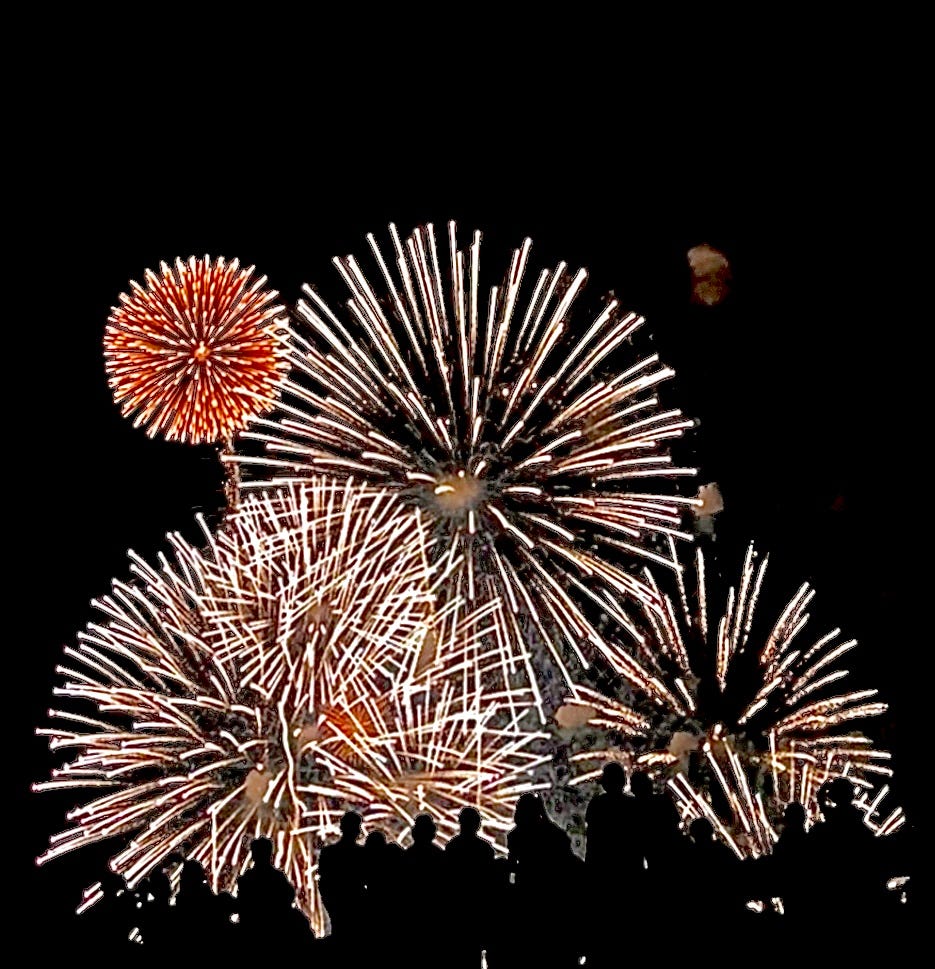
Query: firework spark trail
{"points": [[751, 830], [293, 668], [197, 351], [749, 704], [496, 419]]}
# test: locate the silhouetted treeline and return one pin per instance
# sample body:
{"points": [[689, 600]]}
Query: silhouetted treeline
{"points": [[647, 889]]}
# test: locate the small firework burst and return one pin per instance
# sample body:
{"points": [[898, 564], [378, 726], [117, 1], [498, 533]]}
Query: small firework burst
{"points": [[522, 437], [197, 351], [731, 713], [294, 668]]}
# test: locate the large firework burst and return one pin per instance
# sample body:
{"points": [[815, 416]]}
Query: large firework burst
{"points": [[196, 351], [523, 438], [292, 669], [731, 710]]}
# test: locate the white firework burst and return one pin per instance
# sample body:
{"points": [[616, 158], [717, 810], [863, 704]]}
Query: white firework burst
{"points": [[729, 709], [523, 438], [294, 668]]}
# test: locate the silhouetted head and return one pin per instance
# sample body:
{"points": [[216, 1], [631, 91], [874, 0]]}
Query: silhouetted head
{"points": [[469, 821], [112, 883], [375, 840], [701, 830], [423, 830], [227, 904], [261, 850], [840, 792], [351, 823], [794, 815], [529, 809], [613, 778], [193, 875], [641, 784], [160, 887]]}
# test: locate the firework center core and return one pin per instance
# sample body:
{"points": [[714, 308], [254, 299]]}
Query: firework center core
{"points": [[458, 492]]}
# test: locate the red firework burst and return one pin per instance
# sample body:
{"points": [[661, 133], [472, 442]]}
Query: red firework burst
{"points": [[197, 351]]}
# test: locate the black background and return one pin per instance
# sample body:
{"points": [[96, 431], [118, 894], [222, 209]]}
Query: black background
{"points": [[805, 381]]}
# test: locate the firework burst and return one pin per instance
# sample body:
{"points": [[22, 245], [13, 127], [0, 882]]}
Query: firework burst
{"points": [[522, 438], [720, 708], [292, 669], [197, 351]]}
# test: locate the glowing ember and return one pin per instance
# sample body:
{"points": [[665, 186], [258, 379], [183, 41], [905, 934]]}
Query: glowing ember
{"points": [[710, 274], [710, 500], [457, 494]]}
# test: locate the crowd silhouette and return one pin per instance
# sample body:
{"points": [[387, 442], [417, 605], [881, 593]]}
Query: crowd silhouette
{"points": [[648, 888]]}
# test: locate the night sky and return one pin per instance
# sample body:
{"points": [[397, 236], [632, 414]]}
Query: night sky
{"points": [[801, 380]]}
